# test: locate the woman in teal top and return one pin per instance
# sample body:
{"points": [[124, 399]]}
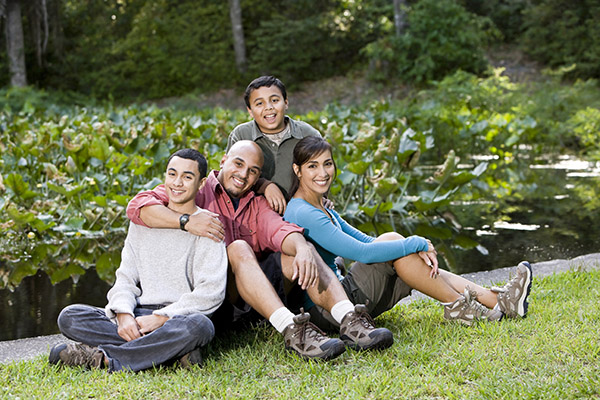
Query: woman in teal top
{"points": [[388, 267]]}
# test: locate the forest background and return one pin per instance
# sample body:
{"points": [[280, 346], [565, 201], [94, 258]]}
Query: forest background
{"points": [[96, 94], [138, 49]]}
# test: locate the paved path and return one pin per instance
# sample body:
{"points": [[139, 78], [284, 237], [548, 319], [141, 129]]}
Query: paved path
{"points": [[24, 349]]}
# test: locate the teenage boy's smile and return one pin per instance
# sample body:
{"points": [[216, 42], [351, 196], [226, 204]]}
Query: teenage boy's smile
{"points": [[182, 180], [268, 107]]}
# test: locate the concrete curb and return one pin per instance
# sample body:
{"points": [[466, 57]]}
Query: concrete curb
{"points": [[25, 349]]}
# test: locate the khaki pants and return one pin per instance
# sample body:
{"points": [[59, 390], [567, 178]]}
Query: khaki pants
{"points": [[375, 284]]}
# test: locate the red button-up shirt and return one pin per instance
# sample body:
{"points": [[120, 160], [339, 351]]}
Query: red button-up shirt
{"points": [[253, 221]]}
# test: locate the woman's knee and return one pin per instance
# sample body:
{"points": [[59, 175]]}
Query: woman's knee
{"points": [[390, 236]]}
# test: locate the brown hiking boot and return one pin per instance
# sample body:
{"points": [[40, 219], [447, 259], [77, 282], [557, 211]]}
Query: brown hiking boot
{"points": [[190, 359], [466, 309], [77, 354], [308, 341], [358, 331], [512, 297]]}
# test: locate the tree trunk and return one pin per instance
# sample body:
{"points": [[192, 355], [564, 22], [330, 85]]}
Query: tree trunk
{"points": [[15, 45], [400, 16], [239, 45]]}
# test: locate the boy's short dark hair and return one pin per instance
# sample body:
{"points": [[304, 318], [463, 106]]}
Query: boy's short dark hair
{"points": [[191, 154], [264, 81]]}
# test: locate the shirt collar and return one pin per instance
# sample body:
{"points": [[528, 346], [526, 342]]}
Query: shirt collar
{"points": [[215, 186], [256, 133]]}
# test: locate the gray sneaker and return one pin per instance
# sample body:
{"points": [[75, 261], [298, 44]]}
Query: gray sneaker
{"points": [[466, 309], [358, 331], [77, 354], [308, 341], [512, 297]]}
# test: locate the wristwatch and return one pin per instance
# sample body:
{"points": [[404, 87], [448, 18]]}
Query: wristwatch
{"points": [[184, 220]]}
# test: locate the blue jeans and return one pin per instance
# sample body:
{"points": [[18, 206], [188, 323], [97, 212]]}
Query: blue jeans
{"points": [[177, 337]]}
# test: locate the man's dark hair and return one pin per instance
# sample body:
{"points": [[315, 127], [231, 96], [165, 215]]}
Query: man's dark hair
{"points": [[264, 81], [191, 154]]}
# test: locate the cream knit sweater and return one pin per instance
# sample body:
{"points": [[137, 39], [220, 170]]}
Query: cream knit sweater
{"points": [[185, 272]]}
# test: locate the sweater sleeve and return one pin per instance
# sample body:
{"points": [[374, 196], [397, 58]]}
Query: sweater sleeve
{"points": [[208, 281], [122, 297], [349, 243]]}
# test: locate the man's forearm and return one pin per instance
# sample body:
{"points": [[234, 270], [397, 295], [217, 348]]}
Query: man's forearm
{"points": [[292, 243], [158, 216]]}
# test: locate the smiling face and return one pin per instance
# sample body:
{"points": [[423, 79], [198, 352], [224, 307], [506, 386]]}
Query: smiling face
{"points": [[316, 175], [182, 181], [268, 107], [240, 168]]}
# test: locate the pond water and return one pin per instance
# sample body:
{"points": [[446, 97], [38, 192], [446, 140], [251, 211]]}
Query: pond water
{"points": [[556, 220]]}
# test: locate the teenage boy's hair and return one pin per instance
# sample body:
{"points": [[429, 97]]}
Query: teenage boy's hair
{"points": [[264, 81], [191, 154]]}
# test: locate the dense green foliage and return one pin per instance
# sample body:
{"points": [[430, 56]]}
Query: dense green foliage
{"points": [[552, 354], [563, 33], [67, 172], [140, 49], [441, 37]]}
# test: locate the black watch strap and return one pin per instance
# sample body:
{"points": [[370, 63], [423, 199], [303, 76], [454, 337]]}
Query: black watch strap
{"points": [[183, 220]]}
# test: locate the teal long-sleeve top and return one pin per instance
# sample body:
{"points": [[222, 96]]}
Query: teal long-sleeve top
{"points": [[335, 237]]}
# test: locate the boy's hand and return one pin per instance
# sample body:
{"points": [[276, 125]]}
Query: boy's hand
{"points": [[275, 198], [150, 323], [327, 203], [128, 328]]}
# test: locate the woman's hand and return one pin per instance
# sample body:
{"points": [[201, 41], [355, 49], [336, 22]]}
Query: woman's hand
{"points": [[430, 258]]}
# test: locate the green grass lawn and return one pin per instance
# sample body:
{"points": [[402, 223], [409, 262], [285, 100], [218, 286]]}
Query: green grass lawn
{"points": [[552, 354]]}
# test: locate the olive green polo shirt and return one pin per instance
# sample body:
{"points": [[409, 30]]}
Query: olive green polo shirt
{"points": [[278, 159]]}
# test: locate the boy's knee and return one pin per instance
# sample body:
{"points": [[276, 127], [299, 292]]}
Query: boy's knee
{"points": [[68, 315], [201, 326]]}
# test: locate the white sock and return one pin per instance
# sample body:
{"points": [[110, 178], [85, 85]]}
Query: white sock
{"points": [[339, 310], [281, 318]]}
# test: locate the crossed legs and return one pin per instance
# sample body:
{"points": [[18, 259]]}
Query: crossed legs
{"points": [[446, 288]]}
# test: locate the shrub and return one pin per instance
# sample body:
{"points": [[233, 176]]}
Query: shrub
{"points": [[442, 37], [565, 33]]}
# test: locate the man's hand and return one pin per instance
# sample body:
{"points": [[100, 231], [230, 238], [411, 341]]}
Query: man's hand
{"points": [[305, 267], [328, 203], [275, 198], [149, 323], [207, 224], [128, 328]]}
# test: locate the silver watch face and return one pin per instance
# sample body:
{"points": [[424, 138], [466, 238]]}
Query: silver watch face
{"points": [[183, 220]]}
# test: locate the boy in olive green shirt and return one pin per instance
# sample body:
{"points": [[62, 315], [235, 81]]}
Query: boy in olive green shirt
{"points": [[275, 133]]}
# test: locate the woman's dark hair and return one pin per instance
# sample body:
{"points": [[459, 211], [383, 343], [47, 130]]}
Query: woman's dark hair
{"points": [[264, 81], [191, 154], [305, 150]]}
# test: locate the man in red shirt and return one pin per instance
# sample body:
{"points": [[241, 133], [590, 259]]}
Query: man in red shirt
{"points": [[266, 256]]}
